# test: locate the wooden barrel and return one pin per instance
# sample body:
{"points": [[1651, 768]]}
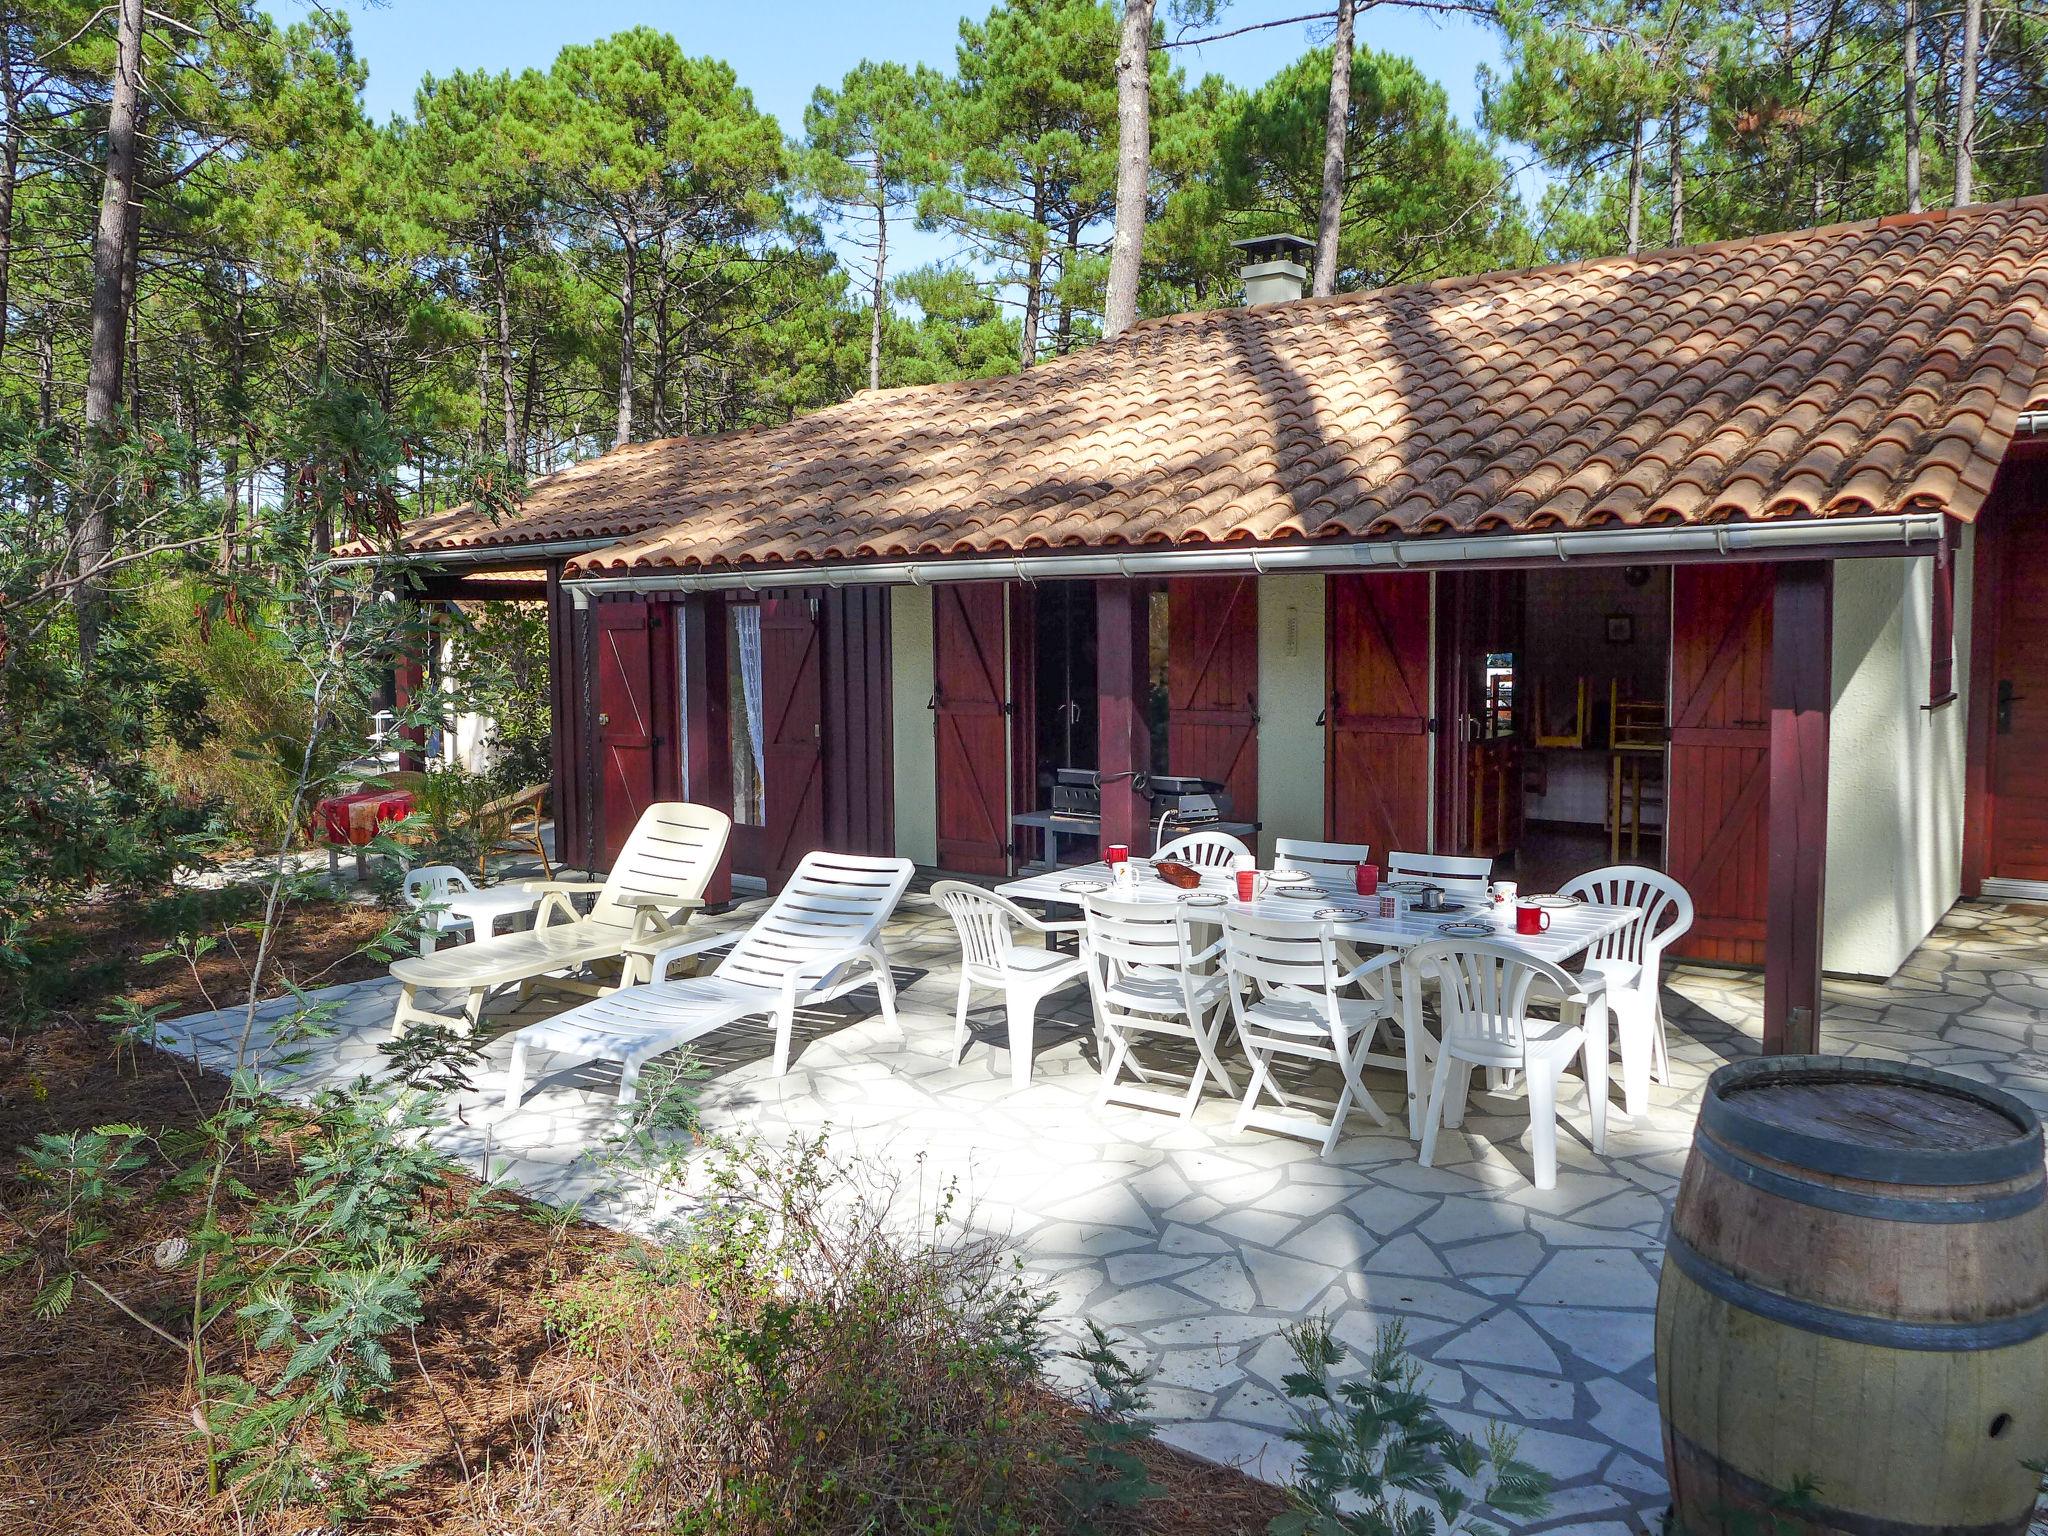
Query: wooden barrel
{"points": [[1855, 1302]]}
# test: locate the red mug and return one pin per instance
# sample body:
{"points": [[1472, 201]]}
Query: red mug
{"points": [[1531, 920], [1115, 854], [1247, 884], [1368, 878]]}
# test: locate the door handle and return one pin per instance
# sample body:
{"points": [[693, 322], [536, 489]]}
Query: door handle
{"points": [[2006, 699], [603, 718]]}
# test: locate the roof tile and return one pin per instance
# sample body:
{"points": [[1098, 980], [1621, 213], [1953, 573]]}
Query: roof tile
{"points": [[1863, 368]]}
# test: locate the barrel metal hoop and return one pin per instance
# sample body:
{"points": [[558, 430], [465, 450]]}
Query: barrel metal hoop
{"points": [[1881, 1165], [1850, 1202], [1854, 1327]]}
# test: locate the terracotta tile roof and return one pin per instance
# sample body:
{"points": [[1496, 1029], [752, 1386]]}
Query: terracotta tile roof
{"points": [[1865, 368]]}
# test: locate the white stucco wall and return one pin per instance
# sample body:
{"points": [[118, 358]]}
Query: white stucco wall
{"points": [[1291, 694], [915, 789], [1895, 769]]}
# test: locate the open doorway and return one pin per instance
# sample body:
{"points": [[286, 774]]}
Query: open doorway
{"points": [[1556, 687]]}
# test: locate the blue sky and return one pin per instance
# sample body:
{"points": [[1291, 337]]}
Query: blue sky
{"points": [[781, 49]]}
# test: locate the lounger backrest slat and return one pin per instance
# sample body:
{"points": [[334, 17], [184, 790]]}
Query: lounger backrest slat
{"points": [[669, 859], [833, 901]]}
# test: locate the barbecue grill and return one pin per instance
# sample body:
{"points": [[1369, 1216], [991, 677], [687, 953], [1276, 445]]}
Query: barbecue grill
{"points": [[1179, 801]]}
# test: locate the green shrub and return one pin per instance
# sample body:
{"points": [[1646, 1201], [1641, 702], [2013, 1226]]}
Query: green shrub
{"points": [[816, 1356], [257, 714]]}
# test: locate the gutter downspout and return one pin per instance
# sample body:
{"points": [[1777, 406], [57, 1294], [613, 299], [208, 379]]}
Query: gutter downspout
{"points": [[1909, 532]]}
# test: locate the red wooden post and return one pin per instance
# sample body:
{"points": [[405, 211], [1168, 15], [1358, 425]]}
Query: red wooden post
{"points": [[1802, 644], [707, 743], [1122, 680]]}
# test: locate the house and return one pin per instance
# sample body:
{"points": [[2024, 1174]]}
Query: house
{"points": [[1726, 557]]}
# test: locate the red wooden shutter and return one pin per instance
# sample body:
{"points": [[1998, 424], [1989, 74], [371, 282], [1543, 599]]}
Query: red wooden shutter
{"points": [[625, 718], [1719, 796], [971, 755], [792, 730], [1212, 682], [1377, 746]]}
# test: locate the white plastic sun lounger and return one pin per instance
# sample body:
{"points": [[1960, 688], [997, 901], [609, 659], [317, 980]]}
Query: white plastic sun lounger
{"points": [[657, 880], [820, 939]]}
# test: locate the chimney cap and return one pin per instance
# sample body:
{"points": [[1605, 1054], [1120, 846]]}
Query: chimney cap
{"points": [[1277, 247]]}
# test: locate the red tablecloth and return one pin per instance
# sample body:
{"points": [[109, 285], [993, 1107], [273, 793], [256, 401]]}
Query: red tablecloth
{"points": [[352, 820]]}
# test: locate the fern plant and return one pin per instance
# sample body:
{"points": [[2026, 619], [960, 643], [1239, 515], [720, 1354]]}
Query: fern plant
{"points": [[1109, 1478], [1378, 1459]]}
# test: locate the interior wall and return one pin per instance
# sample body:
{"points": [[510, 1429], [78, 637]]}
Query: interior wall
{"points": [[1895, 768], [1291, 696], [1565, 633], [913, 770]]}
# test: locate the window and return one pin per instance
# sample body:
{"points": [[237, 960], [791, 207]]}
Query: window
{"points": [[743, 711]]}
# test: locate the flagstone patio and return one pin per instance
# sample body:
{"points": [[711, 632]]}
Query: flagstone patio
{"points": [[1196, 1247]]}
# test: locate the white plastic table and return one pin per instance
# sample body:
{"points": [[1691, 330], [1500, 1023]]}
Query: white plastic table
{"points": [[483, 908], [1571, 930]]}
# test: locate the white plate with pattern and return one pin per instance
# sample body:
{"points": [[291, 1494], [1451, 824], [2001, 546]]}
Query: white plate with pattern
{"points": [[1340, 914], [1204, 899], [1467, 928], [1084, 887]]}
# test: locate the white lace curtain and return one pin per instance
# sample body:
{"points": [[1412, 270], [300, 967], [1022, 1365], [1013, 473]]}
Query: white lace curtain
{"points": [[747, 635]]}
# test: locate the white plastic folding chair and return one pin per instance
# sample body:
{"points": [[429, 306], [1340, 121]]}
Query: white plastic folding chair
{"points": [[1629, 962], [1324, 859], [819, 940], [1146, 977], [991, 957], [1463, 877], [1287, 994], [1204, 850], [1483, 1008]]}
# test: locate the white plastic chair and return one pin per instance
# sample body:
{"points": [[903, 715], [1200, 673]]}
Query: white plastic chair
{"points": [[1146, 977], [1463, 877], [1217, 851], [1484, 1011], [1287, 989], [1324, 859], [991, 957], [818, 940], [1629, 963], [427, 890]]}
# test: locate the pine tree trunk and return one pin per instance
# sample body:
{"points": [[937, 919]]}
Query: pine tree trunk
{"points": [[110, 254], [1635, 191], [1133, 166], [1034, 281], [231, 504], [502, 286], [1966, 104], [1063, 336], [1912, 105], [627, 295], [1336, 133], [10, 169], [880, 294], [1674, 130]]}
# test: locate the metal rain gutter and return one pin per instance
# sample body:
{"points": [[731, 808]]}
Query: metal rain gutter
{"points": [[1906, 533], [516, 554], [2031, 423]]}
